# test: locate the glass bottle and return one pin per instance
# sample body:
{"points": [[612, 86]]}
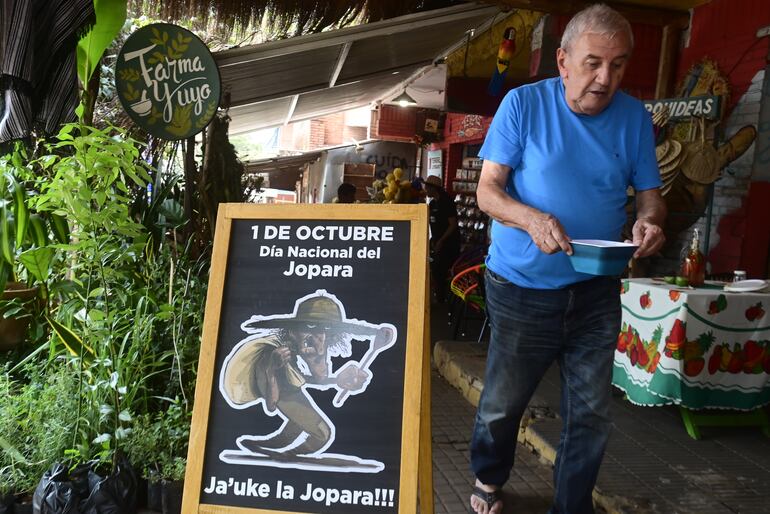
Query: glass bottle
{"points": [[694, 262]]}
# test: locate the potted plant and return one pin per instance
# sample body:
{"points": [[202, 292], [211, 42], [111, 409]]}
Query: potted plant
{"points": [[14, 315], [158, 447], [27, 249]]}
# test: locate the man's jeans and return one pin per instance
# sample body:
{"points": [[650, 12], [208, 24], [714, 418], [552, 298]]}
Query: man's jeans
{"points": [[531, 328]]}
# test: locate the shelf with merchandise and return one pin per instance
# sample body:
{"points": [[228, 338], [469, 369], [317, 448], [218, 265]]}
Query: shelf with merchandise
{"points": [[472, 222]]}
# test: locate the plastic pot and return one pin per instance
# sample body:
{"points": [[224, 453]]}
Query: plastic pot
{"points": [[171, 496], [14, 330]]}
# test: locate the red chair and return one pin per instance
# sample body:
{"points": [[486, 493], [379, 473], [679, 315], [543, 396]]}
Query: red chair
{"points": [[470, 257], [467, 286]]}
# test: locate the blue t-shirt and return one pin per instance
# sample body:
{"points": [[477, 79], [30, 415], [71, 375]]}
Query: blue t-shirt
{"points": [[574, 166]]}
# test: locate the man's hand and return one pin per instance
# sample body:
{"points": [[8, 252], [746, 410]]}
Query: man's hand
{"points": [[383, 337], [352, 378], [648, 236], [279, 357], [650, 215], [544, 229], [548, 234]]}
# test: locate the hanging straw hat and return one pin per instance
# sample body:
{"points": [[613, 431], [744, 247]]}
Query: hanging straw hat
{"points": [[662, 149], [701, 163], [670, 177], [672, 156], [670, 160]]}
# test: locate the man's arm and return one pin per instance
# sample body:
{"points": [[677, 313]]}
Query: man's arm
{"points": [[648, 228], [545, 229]]}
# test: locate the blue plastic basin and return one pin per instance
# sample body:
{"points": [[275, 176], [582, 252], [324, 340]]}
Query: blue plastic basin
{"points": [[599, 257]]}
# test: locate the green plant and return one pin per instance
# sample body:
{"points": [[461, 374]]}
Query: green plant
{"points": [[128, 299], [104, 319], [36, 420], [158, 442], [29, 241], [27, 235]]}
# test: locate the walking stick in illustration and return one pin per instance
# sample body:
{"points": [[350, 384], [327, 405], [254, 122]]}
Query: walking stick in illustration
{"points": [[384, 339]]}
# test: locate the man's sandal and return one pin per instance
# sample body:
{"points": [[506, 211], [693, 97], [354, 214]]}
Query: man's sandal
{"points": [[488, 497]]}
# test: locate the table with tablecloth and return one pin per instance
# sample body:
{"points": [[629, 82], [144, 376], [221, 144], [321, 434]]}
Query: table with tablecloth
{"points": [[700, 348]]}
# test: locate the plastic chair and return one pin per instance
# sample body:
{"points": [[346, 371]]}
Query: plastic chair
{"points": [[468, 287], [469, 258]]}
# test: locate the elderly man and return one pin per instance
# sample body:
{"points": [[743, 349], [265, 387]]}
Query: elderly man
{"points": [[558, 158]]}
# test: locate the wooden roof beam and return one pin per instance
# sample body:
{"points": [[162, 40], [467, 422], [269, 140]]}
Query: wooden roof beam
{"points": [[634, 13]]}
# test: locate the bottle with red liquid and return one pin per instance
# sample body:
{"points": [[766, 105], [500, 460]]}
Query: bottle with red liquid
{"points": [[694, 262]]}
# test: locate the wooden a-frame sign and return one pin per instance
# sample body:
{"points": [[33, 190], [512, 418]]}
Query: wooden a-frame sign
{"points": [[313, 383]]}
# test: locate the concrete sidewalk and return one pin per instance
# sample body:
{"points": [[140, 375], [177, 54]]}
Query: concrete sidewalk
{"points": [[651, 465], [528, 491]]}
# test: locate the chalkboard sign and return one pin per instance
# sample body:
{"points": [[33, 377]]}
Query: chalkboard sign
{"points": [[311, 394]]}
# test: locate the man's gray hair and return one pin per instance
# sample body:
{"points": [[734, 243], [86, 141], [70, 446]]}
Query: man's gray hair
{"points": [[596, 19]]}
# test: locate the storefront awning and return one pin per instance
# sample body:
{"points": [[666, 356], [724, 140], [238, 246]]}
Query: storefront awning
{"points": [[311, 76]]}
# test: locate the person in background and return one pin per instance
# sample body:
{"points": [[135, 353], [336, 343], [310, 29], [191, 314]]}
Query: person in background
{"points": [[346, 193], [444, 235], [558, 158]]}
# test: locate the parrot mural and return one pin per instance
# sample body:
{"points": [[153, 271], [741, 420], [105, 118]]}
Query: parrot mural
{"points": [[504, 54]]}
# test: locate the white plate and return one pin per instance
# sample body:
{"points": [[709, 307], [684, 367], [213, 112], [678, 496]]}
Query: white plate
{"points": [[745, 286]]}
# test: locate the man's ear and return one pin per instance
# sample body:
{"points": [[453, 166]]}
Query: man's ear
{"points": [[561, 56]]}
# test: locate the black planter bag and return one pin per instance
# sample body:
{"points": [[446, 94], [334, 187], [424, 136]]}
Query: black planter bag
{"points": [[113, 494], [22, 506], [6, 504], [55, 493], [86, 492]]}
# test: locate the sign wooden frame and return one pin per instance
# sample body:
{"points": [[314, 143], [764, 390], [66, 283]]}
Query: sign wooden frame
{"points": [[415, 458]]}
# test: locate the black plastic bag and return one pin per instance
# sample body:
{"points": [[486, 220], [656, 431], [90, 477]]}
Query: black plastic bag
{"points": [[84, 491], [22, 506], [154, 495], [113, 494], [55, 493], [6, 504]]}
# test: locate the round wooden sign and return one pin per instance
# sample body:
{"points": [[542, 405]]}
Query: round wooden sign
{"points": [[167, 81]]}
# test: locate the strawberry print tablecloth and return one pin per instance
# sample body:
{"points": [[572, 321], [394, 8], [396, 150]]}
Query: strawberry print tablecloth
{"points": [[698, 348]]}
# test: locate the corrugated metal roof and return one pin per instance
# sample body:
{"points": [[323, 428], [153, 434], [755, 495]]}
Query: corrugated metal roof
{"points": [[309, 76]]}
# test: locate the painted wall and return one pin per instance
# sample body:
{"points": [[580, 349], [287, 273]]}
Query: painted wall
{"points": [[725, 32]]}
